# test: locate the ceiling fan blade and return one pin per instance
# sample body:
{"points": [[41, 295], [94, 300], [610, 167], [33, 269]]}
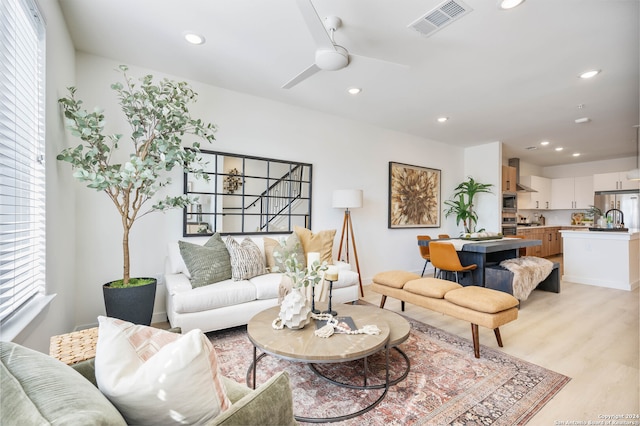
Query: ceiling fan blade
{"points": [[302, 76], [315, 25]]}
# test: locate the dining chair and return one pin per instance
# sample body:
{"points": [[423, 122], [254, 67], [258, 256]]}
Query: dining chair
{"points": [[444, 257], [441, 236], [424, 252]]}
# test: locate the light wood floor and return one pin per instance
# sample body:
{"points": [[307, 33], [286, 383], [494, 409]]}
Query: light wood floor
{"points": [[588, 333]]}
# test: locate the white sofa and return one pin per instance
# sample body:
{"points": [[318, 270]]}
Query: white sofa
{"points": [[231, 303]]}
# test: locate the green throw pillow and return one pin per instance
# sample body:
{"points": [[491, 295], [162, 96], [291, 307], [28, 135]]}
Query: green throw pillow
{"points": [[207, 264]]}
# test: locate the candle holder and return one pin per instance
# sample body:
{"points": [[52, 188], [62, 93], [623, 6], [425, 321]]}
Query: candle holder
{"points": [[330, 311], [313, 300]]}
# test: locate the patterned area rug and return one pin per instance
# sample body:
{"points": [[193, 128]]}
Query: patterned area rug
{"points": [[446, 385]]}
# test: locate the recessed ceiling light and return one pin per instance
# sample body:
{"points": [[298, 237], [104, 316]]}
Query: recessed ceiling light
{"points": [[442, 119], [589, 74], [582, 120], [509, 4], [194, 38], [544, 143], [576, 154], [354, 90], [559, 148]]}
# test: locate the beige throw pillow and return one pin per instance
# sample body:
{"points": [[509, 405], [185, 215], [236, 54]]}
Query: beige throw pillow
{"points": [[321, 242], [155, 377]]}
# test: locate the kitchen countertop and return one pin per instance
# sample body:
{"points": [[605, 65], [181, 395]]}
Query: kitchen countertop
{"points": [[553, 226]]}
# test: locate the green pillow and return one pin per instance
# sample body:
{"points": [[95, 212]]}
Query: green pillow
{"points": [[207, 264], [285, 247]]}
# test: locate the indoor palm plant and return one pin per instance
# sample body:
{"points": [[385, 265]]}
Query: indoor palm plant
{"points": [[461, 203], [159, 117]]}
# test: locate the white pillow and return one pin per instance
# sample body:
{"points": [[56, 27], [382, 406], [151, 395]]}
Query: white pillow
{"points": [[155, 377]]}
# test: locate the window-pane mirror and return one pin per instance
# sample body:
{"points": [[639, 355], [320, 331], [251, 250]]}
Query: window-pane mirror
{"points": [[248, 195]]}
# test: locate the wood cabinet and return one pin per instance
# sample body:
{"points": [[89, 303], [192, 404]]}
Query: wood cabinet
{"points": [[540, 200], [572, 193], [549, 236], [509, 178], [613, 181]]}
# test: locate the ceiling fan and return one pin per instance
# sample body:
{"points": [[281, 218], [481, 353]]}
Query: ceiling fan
{"points": [[329, 55]]}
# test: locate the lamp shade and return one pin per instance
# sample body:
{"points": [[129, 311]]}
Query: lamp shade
{"points": [[347, 198]]}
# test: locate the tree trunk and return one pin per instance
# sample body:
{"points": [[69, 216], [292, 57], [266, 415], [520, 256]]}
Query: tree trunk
{"points": [[125, 251]]}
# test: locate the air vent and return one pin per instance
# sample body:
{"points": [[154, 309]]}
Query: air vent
{"points": [[444, 14]]}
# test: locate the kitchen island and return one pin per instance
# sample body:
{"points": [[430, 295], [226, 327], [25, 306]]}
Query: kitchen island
{"points": [[600, 258]]}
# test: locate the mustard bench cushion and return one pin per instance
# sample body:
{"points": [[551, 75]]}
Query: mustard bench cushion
{"points": [[395, 279], [481, 299], [431, 287]]}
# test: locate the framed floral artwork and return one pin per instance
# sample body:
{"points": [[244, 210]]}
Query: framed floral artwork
{"points": [[414, 196]]}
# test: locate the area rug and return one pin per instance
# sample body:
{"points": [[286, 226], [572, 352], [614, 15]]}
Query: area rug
{"points": [[446, 385]]}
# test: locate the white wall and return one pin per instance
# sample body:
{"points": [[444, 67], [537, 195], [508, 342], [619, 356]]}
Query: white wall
{"points": [[344, 154], [484, 164], [59, 317]]}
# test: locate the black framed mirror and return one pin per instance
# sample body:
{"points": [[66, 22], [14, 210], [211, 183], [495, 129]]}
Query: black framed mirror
{"points": [[248, 195]]}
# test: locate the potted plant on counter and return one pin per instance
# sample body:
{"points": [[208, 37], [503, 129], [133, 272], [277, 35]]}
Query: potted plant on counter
{"points": [[461, 203], [159, 117]]}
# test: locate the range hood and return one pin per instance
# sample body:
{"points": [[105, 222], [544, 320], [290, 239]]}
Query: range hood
{"points": [[515, 162]]}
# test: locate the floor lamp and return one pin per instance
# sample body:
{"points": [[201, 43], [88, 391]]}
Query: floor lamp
{"points": [[348, 199]]}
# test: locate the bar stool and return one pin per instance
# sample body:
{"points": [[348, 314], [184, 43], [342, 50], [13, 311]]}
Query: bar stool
{"points": [[424, 252], [444, 257]]}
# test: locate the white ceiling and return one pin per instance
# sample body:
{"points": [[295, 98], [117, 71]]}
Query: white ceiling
{"points": [[508, 76]]}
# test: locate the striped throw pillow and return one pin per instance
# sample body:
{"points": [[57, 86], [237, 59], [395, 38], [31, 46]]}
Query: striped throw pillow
{"points": [[247, 261]]}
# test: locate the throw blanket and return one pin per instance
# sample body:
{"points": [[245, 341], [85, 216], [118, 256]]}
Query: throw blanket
{"points": [[528, 272]]}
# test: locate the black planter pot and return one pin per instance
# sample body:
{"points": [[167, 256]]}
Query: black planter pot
{"points": [[133, 304]]}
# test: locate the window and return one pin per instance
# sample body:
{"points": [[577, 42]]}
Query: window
{"points": [[22, 172]]}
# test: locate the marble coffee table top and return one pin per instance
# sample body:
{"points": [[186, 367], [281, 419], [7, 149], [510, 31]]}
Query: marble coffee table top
{"points": [[303, 346]]}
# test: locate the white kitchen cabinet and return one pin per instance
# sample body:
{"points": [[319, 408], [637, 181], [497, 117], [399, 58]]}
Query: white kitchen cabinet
{"points": [[540, 200], [613, 181], [572, 193]]}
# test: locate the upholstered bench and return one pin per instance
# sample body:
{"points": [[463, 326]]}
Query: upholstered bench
{"points": [[477, 305]]}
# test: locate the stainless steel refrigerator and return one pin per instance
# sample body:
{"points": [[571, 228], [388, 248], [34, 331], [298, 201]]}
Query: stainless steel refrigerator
{"points": [[626, 201]]}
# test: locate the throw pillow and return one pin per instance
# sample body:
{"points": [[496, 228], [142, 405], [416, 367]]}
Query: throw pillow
{"points": [[247, 261], [285, 247], [155, 377], [207, 264], [321, 242]]}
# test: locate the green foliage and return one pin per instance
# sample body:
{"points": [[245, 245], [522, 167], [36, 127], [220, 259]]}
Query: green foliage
{"points": [[158, 114], [299, 275], [461, 203], [594, 211]]}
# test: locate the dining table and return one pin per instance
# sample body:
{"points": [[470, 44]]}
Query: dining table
{"points": [[484, 253]]}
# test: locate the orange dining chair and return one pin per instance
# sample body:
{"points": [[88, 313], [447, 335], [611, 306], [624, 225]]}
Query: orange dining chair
{"points": [[424, 251], [441, 236], [444, 257]]}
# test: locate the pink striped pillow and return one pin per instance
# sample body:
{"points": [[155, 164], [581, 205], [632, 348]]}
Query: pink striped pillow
{"points": [[157, 377]]}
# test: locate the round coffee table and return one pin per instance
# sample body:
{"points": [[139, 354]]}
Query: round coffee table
{"points": [[304, 346]]}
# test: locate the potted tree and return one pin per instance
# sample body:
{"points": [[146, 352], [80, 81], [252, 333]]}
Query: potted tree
{"points": [[461, 203], [159, 117]]}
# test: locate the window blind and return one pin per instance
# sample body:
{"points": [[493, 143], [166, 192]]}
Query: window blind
{"points": [[22, 171]]}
